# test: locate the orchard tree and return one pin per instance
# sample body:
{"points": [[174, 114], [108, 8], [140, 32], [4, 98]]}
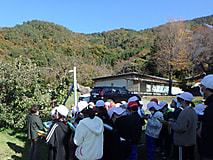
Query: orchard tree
{"points": [[22, 85], [171, 49]]}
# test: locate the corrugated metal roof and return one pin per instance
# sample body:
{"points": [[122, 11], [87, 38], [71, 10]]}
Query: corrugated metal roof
{"points": [[132, 74]]}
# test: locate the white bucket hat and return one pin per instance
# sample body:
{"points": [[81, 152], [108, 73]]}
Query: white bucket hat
{"points": [[199, 109], [152, 104], [81, 105], [62, 110], [186, 96], [100, 103], [207, 81], [162, 104], [116, 110], [133, 98]]}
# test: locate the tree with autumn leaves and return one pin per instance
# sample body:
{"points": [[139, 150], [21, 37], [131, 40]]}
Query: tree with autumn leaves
{"points": [[202, 49], [170, 50]]}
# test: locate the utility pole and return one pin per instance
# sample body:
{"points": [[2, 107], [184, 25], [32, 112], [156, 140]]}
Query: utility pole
{"points": [[75, 86]]}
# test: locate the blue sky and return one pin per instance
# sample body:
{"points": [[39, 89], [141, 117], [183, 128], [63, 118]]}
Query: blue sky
{"points": [[92, 16]]}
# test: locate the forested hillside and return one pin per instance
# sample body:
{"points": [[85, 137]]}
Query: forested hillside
{"points": [[58, 49]]}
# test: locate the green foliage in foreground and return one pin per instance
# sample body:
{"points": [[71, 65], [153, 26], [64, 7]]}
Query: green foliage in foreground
{"points": [[22, 85]]}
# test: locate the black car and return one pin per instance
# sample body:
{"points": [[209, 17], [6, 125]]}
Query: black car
{"points": [[109, 94]]}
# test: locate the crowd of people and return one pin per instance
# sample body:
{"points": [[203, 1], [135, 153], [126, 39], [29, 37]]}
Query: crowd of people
{"points": [[109, 131]]}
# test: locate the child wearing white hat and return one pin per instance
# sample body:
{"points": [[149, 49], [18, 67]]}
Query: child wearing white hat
{"points": [[199, 109], [153, 128], [59, 135]]}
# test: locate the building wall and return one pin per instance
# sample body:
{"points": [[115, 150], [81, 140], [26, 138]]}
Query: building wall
{"points": [[111, 82], [135, 86], [143, 87], [119, 82], [131, 86]]}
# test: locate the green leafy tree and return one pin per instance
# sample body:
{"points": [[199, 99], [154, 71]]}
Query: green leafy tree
{"points": [[22, 85]]}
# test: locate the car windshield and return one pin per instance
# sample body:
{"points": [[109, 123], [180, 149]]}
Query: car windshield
{"points": [[108, 90], [123, 91], [96, 90]]}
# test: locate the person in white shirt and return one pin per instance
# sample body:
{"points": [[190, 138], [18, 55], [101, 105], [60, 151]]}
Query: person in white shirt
{"points": [[153, 128], [89, 136]]}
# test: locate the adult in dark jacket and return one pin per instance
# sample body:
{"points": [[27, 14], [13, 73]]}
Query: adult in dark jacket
{"points": [[185, 126], [34, 123], [59, 136], [130, 128], [177, 110], [118, 150], [165, 134], [206, 146]]}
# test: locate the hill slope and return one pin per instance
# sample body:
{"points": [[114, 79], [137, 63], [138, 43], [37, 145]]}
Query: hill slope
{"points": [[97, 54]]}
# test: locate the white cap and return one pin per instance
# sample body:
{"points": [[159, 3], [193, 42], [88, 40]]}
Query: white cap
{"points": [[141, 103], [207, 81], [152, 104], [117, 105], [100, 103], [123, 102], [62, 110], [199, 109], [52, 113], [116, 110], [134, 98], [162, 104], [91, 104], [81, 105], [186, 96], [107, 104]]}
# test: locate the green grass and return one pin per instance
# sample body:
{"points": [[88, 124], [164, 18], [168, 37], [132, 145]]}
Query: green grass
{"points": [[70, 100], [15, 146]]}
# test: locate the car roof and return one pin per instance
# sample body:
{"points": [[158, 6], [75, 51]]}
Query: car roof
{"points": [[108, 87]]}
